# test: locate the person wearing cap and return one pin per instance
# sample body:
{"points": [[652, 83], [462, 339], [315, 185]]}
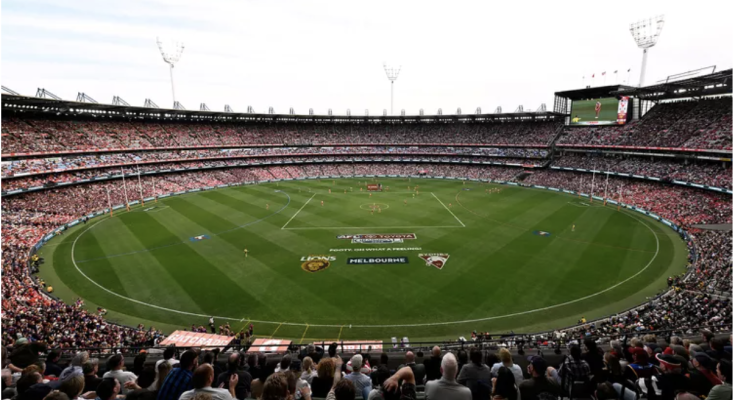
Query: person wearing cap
{"points": [[702, 376], [640, 367], [543, 380], [362, 382], [447, 387], [723, 391], [671, 381]]}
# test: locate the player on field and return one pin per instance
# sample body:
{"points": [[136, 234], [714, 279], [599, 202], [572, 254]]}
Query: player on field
{"points": [[267, 206], [246, 253], [405, 202], [573, 226], [322, 203], [598, 108]]}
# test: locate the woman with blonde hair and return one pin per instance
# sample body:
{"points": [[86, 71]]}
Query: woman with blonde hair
{"points": [[73, 386], [162, 372], [308, 372], [506, 360]]}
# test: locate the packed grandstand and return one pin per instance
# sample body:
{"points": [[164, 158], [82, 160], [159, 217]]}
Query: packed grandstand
{"points": [[674, 161]]}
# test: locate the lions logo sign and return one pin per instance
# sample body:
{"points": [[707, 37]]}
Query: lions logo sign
{"points": [[316, 263], [435, 259]]}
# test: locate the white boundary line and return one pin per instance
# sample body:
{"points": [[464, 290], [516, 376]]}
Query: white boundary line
{"points": [[447, 208], [372, 227], [377, 326], [297, 212]]}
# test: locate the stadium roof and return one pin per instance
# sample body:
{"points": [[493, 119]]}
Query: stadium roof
{"points": [[19, 103], [590, 92], [705, 85]]}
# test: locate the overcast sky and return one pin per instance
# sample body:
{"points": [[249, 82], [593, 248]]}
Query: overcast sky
{"points": [[330, 54]]}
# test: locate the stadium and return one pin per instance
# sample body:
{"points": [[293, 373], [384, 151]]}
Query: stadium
{"points": [[604, 220]]}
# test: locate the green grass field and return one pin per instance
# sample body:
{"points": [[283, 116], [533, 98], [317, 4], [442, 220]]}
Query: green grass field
{"points": [[585, 110], [143, 266]]}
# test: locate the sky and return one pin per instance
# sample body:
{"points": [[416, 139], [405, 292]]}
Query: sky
{"points": [[330, 54]]}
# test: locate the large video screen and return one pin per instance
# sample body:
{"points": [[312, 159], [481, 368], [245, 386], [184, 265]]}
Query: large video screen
{"points": [[603, 111]]}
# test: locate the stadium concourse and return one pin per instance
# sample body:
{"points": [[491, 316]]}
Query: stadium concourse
{"points": [[57, 169]]}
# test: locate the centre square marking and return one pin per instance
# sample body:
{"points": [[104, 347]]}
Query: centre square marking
{"points": [[374, 206]]}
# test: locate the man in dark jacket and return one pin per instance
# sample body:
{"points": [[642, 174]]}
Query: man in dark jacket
{"points": [[543, 380], [52, 366], [235, 366], [433, 364]]}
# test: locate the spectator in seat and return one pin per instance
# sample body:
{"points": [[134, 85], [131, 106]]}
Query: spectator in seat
{"points": [[108, 389], [115, 366], [91, 380], [179, 379], [476, 375], [392, 389], [202, 380], [284, 365], [419, 370], [73, 387], [504, 386], [362, 382], [640, 367], [447, 387], [31, 387], [308, 372], [702, 376], [162, 372], [543, 381], [723, 391], [24, 354], [343, 390], [76, 365], [52, 364], [594, 358], [235, 367], [379, 376], [433, 364], [672, 381], [168, 357], [324, 380], [506, 360], [575, 374]]}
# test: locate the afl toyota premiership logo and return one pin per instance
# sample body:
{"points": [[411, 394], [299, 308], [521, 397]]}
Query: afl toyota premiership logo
{"points": [[316, 263]]}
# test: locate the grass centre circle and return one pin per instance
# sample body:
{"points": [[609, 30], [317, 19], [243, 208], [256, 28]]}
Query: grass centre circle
{"points": [[374, 206]]}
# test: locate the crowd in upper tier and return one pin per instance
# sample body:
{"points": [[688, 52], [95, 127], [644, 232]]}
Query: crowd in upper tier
{"points": [[261, 154], [44, 135], [718, 174], [705, 124]]}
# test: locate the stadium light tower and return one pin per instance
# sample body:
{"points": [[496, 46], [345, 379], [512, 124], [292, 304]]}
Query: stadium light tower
{"points": [[392, 74], [646, 33], [171, 53]]}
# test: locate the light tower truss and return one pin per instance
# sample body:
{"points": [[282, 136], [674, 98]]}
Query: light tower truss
{"points": [[646, 33]]}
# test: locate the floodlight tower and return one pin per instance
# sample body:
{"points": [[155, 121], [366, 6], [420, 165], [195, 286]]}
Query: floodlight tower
{"points": [[392, 74], [171, 53], [646, 33]]}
